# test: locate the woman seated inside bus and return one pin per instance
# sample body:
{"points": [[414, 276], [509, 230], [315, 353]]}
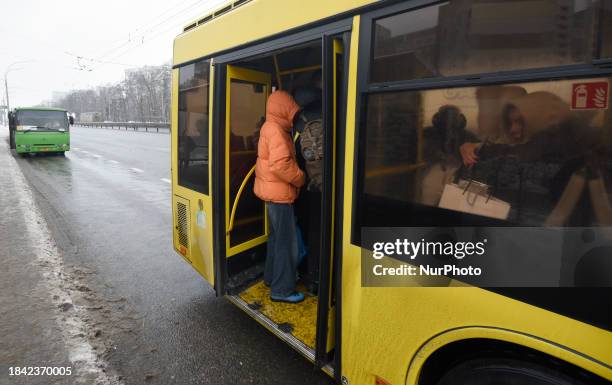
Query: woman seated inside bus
{"points": [[534, 126], [543, 145]]}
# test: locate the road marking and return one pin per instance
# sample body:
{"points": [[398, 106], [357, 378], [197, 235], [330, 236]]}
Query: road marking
{"points": [[166, 180], [136, 169], [113, 161]]}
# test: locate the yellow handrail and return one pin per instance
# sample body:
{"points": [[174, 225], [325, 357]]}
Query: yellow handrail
{"points": [[242, 185], [235, 205]]}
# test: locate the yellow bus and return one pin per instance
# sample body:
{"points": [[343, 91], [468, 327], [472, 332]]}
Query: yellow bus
{"points": [[409, 93]]}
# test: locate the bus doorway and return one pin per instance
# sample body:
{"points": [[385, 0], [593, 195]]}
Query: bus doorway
{"points": [[312, 73]]}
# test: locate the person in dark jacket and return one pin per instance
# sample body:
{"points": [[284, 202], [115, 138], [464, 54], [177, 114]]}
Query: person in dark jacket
{"points": [[542, 143], [441, 151]]}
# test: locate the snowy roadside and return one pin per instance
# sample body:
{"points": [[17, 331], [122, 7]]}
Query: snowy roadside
{"points": [[41, 324]]}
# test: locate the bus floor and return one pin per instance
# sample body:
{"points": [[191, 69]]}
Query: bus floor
{"points": [[297, 319]]}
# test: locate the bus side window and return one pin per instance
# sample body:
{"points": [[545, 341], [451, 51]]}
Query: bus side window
{"points": [[528, 147], [193, 126]]}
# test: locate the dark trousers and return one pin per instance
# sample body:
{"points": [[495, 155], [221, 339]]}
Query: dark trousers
{"points": [[282, 253]]}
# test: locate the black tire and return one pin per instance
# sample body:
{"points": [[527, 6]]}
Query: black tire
{"points": [[504, 371]]}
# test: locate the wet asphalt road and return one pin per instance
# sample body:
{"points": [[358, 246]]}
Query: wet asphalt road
{"points": [[107, 206]]}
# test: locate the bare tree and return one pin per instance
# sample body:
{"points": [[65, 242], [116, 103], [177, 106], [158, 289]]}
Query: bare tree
{"points": [[144, 95]]}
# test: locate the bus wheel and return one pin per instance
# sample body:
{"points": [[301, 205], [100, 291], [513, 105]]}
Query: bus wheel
{"points": [[498, 371]]}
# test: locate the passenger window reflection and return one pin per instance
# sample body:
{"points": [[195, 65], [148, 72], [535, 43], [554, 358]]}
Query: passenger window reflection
{"points": [[517, 153]]}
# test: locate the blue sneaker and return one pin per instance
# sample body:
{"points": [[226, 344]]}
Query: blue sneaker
{"points": [[296, 297]]}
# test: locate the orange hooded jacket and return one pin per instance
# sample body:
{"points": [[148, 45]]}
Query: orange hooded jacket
{"points": [[278, 177]]}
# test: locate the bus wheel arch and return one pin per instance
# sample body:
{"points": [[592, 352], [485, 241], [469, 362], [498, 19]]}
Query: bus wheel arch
{"points": [[454, 351]]}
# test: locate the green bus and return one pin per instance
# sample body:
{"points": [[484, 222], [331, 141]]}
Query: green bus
{"points": [[39, 129]]}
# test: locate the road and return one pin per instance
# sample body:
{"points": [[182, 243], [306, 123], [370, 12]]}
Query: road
{"points": [[94, 229]]}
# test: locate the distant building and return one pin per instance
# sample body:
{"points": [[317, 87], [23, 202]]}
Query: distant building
{"points": [[481, 35], [474, 36], [88, 117]]}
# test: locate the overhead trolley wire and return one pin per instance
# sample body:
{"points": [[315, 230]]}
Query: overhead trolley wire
{"points": [[160, 33], [146, 29]]}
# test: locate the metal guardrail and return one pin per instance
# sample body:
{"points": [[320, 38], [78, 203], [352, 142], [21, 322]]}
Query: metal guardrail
{"points": [[146, 127]]}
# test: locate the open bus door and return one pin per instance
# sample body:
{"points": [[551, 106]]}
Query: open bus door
{"points": [[11, 123], [334, 79], [243, 219], [245, 215]]}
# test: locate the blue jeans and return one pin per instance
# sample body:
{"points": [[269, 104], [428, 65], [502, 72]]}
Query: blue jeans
{"points": [[282, 253]]}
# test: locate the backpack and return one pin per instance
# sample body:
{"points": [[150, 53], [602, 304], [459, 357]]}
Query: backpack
{"points": [[311, 141]]}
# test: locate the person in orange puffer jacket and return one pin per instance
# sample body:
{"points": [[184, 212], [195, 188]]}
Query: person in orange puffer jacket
{"points": [[278, 179]]}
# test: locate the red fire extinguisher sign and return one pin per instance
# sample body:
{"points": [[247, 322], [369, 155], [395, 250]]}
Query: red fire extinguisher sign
{"points": [[590, 96]]}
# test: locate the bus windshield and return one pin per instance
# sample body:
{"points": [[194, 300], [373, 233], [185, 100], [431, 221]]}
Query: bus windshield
{"points": [[42, 120]]}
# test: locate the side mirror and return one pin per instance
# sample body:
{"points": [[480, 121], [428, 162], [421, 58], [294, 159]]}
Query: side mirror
{"points": [[71, 120]]}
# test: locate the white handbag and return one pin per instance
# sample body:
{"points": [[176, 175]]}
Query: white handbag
{"points": [[473, 197]]}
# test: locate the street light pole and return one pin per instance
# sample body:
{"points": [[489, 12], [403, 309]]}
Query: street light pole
{"points": [[8, 69], [8, 108]]}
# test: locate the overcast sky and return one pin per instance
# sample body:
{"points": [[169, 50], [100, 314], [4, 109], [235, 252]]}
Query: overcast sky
{"points": [[110, 35]]}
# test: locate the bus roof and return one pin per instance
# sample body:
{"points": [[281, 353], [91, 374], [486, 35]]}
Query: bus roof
{"points": [[239, 22], [39, 109]]}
